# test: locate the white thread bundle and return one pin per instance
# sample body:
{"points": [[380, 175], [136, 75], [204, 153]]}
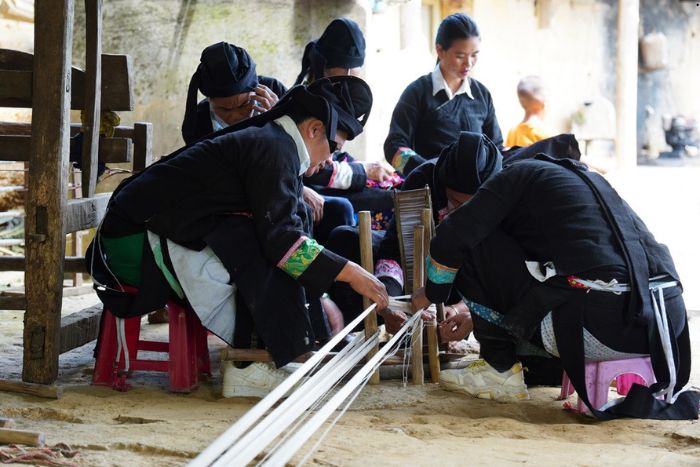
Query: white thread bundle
{"points": [[251, 434]]}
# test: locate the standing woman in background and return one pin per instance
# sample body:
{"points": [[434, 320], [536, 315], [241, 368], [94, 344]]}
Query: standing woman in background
{"points": [[435, 108]]}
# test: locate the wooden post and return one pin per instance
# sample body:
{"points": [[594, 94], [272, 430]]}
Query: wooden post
{"points": [[418, 280], [76, 237], [367, 262], [431, 331], [44, 236], [626, 83], [93, 94], [143, 145]]}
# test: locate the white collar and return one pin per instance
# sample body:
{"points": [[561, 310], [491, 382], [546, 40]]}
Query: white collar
{"points": [[288, 125], [439, 84]]}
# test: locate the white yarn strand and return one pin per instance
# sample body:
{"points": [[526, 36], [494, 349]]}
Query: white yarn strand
{"points": [[226, 439], [352, 398], [287, 450], [252, 443]]}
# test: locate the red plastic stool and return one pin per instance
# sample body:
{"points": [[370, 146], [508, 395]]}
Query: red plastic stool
{"points": [[599, 375], [188, 353]]}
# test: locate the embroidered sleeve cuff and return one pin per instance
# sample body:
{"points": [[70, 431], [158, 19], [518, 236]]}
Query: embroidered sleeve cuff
{"points": [[439, 273], [359, 176], [389, 268], [401, 158], [342, 176], [300, 256]]}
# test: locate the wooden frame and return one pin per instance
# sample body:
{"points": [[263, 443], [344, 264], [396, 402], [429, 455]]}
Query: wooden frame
{"points": [[48, 84]]}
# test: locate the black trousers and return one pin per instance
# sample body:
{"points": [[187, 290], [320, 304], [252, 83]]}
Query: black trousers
{"points": [[270, 302]]}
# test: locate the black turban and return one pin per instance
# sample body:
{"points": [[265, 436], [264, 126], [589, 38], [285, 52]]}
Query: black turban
{"points": [[224, 70], [339, 102], [341, 45], [467, 163], [350, 97]]}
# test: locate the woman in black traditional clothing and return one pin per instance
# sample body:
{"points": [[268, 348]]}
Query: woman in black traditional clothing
{"points": [[233, 91], [435, 108]]}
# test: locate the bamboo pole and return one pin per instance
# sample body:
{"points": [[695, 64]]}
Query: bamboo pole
{"points": [[367, 262], [417, 335], [431, 331]]}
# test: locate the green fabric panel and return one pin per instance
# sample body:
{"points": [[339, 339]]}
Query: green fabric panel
{"points": [[302, 257], [124, 256], [172, 280]]}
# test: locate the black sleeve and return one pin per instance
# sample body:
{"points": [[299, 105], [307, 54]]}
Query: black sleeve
{"points": [[272, 185], [490, 127], [328, 176], [402, 129], [469, 224]]}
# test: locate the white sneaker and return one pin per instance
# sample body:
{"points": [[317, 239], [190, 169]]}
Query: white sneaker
{"points": [[479, 379], [256, 380]]}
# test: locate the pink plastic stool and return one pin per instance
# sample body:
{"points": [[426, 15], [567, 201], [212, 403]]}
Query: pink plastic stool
{"points": [[188, 353], [599, 375]]}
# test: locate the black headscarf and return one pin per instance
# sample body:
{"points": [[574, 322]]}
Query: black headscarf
{"points": [[467, 163], [224, 70], [342, 45], [339, 102]]}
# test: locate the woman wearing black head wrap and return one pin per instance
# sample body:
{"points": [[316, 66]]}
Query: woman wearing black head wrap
{"points": [[339, 51], [226, 76], [453, 178], [235, 197], [436, 107]]}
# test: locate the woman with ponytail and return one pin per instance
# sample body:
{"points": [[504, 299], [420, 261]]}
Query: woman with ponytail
{"points": [[436, 107]]}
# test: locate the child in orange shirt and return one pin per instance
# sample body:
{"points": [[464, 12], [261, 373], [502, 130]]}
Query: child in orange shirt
{"points": [[532, 98]]}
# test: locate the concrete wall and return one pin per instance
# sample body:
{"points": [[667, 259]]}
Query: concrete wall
{"points": [[574, 53]]}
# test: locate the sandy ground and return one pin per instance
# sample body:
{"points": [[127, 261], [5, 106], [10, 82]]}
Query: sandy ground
{"points": [[388, 424]]}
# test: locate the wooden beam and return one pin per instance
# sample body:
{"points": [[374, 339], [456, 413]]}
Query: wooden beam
{"points": [[18, 263], [13, 303], [367, 262], [29, 438], [44, 229], [143, 145], [14, 148], [93, 79], [17, 129], [116, 150], [85, 213], [15, 88], [41, 390], [79, 328], [117, 84], [111, 150], [116, 89]]}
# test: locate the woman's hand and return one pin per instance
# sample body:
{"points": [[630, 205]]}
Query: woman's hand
{"points": [[365, 284], [378, 171], [262, 99], [315, 202], [456, 327]]}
